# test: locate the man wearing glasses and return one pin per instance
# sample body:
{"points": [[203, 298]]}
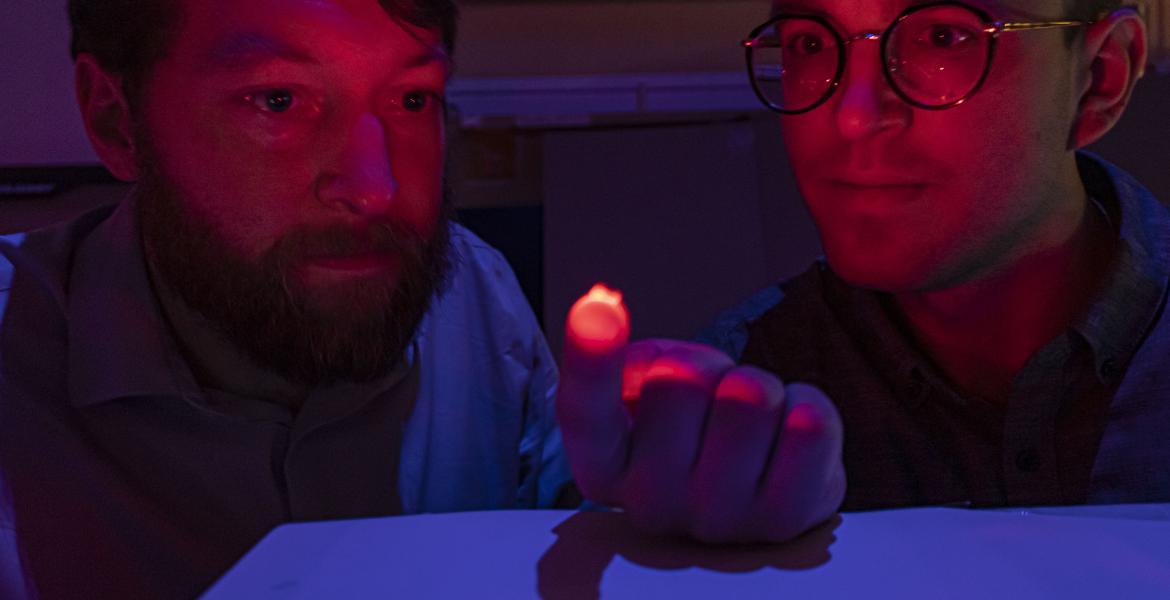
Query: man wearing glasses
{"points": [[988, 319]]}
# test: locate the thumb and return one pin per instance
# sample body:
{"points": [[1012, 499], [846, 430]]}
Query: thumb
{"points": [[594, 424]]}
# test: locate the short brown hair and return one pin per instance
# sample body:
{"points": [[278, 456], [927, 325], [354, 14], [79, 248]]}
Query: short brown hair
{"points": [[129, 37]]}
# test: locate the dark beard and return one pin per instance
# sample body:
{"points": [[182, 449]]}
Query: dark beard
{"points": [[359, 334]]}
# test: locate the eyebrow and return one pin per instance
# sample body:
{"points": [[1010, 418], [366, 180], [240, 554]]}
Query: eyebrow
{"points": [[247, 49]]}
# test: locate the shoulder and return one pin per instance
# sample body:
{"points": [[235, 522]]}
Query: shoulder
{"points": [[481, 277], [481, 304], [471, 256], [790, 300], [44, 256]]}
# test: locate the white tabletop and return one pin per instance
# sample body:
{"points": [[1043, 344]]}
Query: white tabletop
{"points": [[1084, 552]]}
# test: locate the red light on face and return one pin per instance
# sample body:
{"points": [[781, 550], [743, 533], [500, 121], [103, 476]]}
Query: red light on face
{"points": [[599, 321]]}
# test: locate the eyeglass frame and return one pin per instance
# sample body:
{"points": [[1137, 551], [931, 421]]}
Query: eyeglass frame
{"points": [[991, 26]]}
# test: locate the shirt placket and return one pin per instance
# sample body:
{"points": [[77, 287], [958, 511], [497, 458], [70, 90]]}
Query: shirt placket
{"points": [[1029, 460]]}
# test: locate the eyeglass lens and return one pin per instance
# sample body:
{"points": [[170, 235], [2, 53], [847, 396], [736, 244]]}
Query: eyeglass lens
{"points": [[934, 57]]}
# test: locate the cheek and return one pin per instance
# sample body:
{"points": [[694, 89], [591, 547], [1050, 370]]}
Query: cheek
{"points": [[249, 196], [1001, 156], [808, 136], [417, 162]]}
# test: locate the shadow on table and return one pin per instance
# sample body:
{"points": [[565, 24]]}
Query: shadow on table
{"points": [[587, 542]]}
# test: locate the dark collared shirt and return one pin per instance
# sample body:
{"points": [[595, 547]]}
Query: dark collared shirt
{"points": [[1086, 419], [122, 477]]}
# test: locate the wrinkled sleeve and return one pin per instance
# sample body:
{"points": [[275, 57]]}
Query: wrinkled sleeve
{"points": [[547, 479]]}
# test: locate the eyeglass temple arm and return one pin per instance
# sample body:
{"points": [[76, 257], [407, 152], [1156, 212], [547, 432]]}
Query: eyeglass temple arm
{"points": [[1040, 25]]}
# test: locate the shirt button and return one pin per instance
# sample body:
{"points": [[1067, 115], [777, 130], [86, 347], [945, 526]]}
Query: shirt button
{"points": [[916, 388], [1109, 368], [1028, 460]]}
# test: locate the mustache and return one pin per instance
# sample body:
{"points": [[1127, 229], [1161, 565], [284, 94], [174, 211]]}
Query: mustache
{"points": [[342, 240]]}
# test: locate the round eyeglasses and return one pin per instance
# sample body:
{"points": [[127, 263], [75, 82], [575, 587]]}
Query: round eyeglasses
{"points": [[934, 56]]}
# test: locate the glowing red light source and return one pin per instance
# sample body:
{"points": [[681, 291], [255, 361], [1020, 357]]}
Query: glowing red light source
{"points": [[599, 321]]}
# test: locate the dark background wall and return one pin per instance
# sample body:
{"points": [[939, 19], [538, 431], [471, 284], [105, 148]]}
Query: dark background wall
{"points": [[516, 38], [687, 212]]}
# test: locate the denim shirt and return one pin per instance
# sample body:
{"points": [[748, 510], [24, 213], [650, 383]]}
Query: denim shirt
{"points": [[86, 359]]}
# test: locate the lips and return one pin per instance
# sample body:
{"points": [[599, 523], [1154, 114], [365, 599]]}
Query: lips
{"points": [[872, 198], [360, 262], [877, 180], [875, 195], [326, 269]]}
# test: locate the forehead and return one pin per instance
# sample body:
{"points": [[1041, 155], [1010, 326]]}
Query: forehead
{"points": [[318, 28], [888, 9]]}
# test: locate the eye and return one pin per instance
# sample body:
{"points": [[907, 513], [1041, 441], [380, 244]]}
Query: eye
{"points": [[416, 101], [806, 44], [274, 101], [945, 37]]}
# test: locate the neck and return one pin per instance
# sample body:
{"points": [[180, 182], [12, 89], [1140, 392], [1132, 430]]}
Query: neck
{"points": [[983, 331]]}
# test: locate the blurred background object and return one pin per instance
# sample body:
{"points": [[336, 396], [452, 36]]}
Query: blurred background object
{"points": [[1158, 21]]}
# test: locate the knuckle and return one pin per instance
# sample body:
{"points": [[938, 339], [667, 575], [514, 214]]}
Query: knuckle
{"points": [[751, 387], [680, 368], [813, 418], [807, 419]]}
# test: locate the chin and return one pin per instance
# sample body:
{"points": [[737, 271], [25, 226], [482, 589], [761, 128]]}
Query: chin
{"points": [[880, 271]]}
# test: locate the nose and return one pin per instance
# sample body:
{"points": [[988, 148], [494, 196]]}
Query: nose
{"points": [[867, 105], [360, 179]]}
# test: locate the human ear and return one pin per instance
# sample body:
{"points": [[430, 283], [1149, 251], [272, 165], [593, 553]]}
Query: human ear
{"points": [[1113, 58], [107, 116]]}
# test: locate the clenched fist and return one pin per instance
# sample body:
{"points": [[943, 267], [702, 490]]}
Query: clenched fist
{"points": [[687, 442]]}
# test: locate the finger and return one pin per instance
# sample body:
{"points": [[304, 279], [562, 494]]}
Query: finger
{"points": [[594, 425], [835, 490], [668, 431], [805, 463], [640, 357], [746, 413]]}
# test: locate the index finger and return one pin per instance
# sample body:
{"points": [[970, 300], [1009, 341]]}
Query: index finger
{"points": [[594, 425]]}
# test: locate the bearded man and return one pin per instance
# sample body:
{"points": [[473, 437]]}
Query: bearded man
{"points": [[280, 323]]}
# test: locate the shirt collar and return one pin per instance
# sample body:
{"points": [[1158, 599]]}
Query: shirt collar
{"points": [[1116, 324], [884, 340], [119, 344]]}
